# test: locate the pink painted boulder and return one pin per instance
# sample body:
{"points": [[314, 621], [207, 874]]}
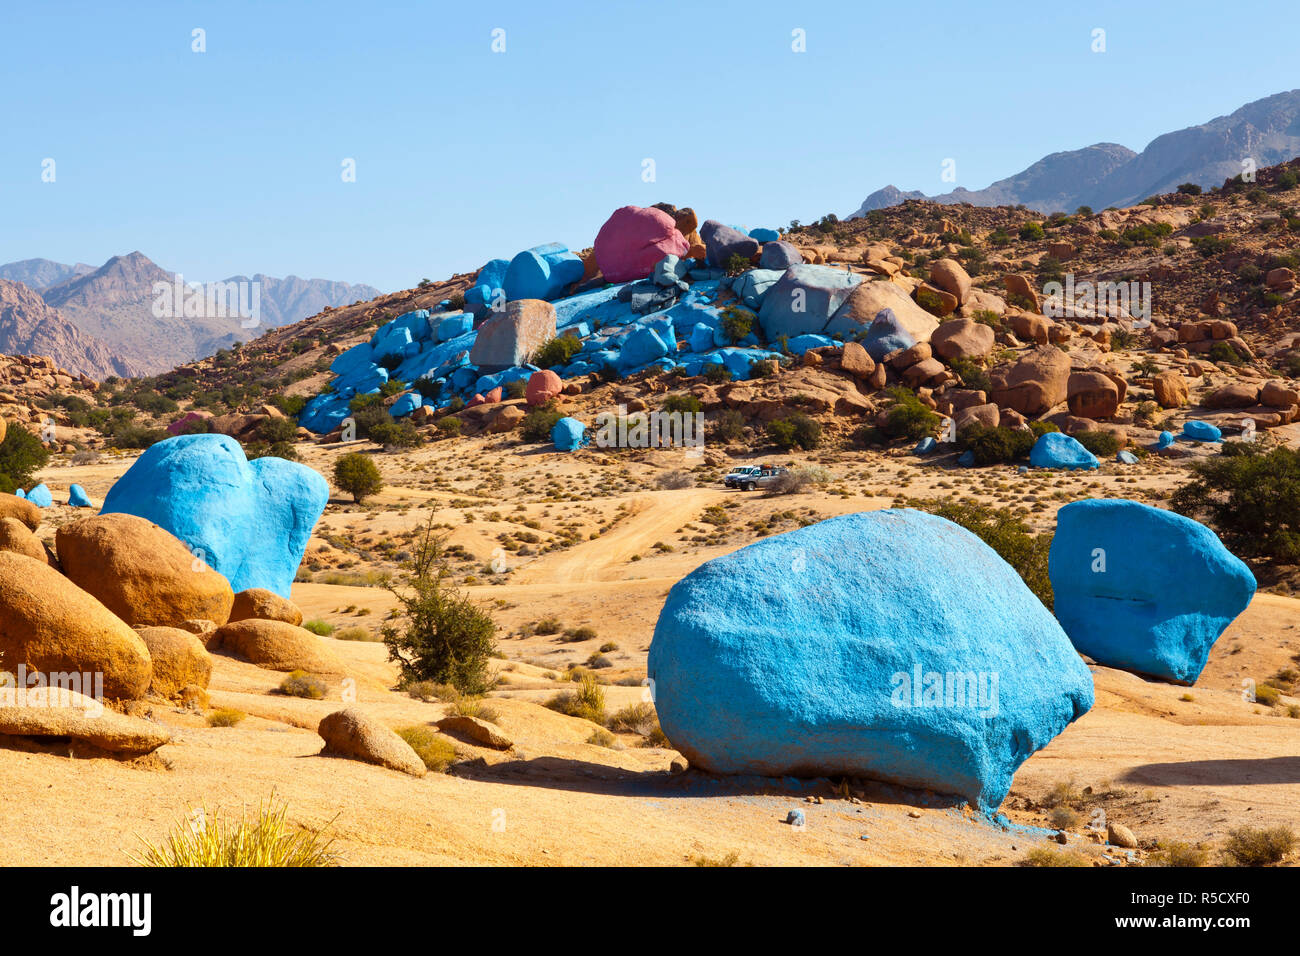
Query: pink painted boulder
{"points": [[494, 396], [633, 239], [542, 387]]}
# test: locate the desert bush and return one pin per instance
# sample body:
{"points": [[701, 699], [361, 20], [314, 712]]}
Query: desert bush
{"points": [[634, 719], [356, 474], [268, 840], [225, 717], [728, 427], [675, 479], [796, 481], [587, 702], [401, 434], [795, 430], [319, 628], [356, 633], [448, 426], [537, 424], [1042, 856], [736, 323], [995, 445], [516, 389], [558, 351], [1032, 231], [1251, 497], [302, 684], [1011, 538], [1062, 818], [573, 634], [685, 404], [736, 264], [22, 454], [548, 625], [1100, 443], [436, 752], [1176, 853], [715, 373], [1252, 846], [428, 690], [473, 706], [445, 637], [909, 418]]}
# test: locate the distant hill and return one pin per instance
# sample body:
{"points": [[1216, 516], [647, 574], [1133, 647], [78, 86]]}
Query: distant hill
{"points": [[40, 274], [1107, 174], [116, 304], [30, 326]]}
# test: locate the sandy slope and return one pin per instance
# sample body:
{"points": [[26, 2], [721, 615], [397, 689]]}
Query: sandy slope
{"points": [[1168, 767]]}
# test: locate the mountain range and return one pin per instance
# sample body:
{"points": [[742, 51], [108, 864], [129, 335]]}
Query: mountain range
{"points": [[1266, 131], [115, 321]]}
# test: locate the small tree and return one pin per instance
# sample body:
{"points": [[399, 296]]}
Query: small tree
{"points": [[446, 637], [21, 456], [357, 475], [1251, 497]]}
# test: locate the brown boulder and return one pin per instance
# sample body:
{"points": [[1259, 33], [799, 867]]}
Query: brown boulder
{"points": [[986, 415], [948, 275], [141, 572], [275, 646], [1033, 385], [1031, 328], [935, 300], [475, 730], [264, 605], [509, 337], [179, 660], [18, 538], [1234, 395], [351, 733], [53, 712], [962, 339], [1278, 394], [507, 418], [11, 506], [1170, 388], [856, 360], [926, 370], [1092, 395], [53, 627], [1020, 287]]}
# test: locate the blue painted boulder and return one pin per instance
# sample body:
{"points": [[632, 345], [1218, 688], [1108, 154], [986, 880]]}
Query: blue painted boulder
{"points": [[1126, 457], [891, 644], [77, 497], [886, 334], [1165, 440], [1197, 430], [1143, 589], [568, 434], [804, 299], [454, 325], [19, 493], [487, 284], [750, 287], [763, 234], [925, 446], [701, 338], [641, 348], [40, 496], [406, 404], [249, 520], [1059, 450], [542, 272], [722, 242]]}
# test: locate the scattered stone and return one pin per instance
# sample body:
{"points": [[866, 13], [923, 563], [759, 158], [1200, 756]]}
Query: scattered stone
{"points": [[1119, 835], [179, 660], [53, 712], [474, 729], [264, 605], [351, 733], [276, 646]]}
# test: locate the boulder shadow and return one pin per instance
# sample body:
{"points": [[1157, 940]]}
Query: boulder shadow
{"points": [[1245, 771]]}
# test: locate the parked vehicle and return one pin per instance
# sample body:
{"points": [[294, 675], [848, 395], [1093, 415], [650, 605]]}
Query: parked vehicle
{"points": [[764, 478], [736, 476]]}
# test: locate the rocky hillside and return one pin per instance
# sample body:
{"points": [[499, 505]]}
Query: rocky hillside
{"points": [[40, 274], [1107, 174], [30, 326]]}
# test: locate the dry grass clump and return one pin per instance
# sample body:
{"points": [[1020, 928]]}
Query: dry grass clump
{"points": [[302, 684], [587, 702], [269, 840], [225, 717], [437, 753]]}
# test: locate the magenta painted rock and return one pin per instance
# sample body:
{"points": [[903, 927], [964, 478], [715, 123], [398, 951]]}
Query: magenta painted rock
{"points": [[542, 387], [633, 240], [477, 400], [494, 396]]}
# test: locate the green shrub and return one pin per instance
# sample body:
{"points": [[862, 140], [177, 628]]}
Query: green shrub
{"points": [[355, 633], [448, 426], [715, 373], [587, 702], [737, 264], [225, 717], [795, 430], [684, 404], [1032, 231], [995, 445], [516, 389], [728, 427], [445, 638], [909, 418], [736, 323], [973, 375], [1006, 534], [266, 841], [401, 434], [356, 474], [1100, 443], [319, 627], [437, 752], [1177, 853], [558, 351], [537, 424], [22, 454], [1251, 497]]}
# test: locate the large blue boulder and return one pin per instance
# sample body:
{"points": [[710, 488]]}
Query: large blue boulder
{"points": [[1197, 430], [1059, 450], [77, 497], [568, 434], [804, 299], [249, 520], [454, 325], [641, 348], [40, 496], [489, 281], [886, 334], [542, 272], [891, 644], [1143, 589], [750, 287], [722, 242], [406, 404], [763, 234], [357, 357]]}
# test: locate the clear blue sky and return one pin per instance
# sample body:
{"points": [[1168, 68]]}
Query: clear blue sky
{"points": [[229, 161]]}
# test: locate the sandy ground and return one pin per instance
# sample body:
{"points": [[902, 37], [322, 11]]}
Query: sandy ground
{"points": [[591, 541]]}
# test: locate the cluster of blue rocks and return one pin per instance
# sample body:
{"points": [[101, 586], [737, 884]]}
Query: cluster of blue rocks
{"points": [[623, 328]]}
